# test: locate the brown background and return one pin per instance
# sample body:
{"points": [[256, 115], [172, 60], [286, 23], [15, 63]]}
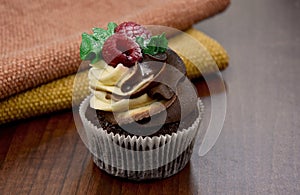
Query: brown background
{"points": [[258, 151]]}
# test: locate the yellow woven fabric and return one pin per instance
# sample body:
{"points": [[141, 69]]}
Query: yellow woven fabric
{"points": [[207, 55], [51, 97], [57, 95]]}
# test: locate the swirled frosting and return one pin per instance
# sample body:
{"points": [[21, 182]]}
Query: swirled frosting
{"points": [[147, 89]]}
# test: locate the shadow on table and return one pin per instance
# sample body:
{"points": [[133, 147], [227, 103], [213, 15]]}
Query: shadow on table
{"points": [[101, 182]]}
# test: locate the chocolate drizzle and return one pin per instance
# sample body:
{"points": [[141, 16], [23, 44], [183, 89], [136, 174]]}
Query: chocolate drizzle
{"points": [[142, 71]]}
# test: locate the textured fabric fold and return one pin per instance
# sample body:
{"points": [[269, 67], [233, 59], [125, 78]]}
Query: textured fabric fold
{"points": [[40, 40], [57, 95]]}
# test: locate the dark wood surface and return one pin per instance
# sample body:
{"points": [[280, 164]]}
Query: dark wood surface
{"points": [[258, 151]]}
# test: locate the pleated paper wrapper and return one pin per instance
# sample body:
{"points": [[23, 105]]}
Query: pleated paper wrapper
{"points": [[136, 157]]}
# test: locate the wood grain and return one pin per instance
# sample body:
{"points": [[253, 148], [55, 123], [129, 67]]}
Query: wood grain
{"points": [[258, 151]]}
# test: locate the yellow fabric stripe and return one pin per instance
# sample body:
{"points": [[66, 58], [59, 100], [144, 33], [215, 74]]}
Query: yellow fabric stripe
{"points": [[57, 95]]}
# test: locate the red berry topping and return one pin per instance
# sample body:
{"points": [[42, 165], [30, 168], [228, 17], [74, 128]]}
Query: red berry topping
{"points": [[121, 49], [133, 30]]}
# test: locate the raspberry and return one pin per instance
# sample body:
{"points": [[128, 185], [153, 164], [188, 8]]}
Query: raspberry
{"points": [[121, 49], [133, 30]]}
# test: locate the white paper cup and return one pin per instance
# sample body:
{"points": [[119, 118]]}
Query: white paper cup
{"points": [[137, 157]]}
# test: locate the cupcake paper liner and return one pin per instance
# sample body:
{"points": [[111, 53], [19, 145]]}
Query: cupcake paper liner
{"points": [[137, 157]]}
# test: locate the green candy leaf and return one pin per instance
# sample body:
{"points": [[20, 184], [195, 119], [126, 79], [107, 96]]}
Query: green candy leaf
{"points": [[141, 42], [91, 45], [90, 48], [154, 45]]}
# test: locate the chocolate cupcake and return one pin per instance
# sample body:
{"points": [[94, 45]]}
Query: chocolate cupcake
{"points": [[143, 114]]}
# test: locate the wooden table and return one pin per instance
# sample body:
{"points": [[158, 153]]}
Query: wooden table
{"points": [[258, 151]]}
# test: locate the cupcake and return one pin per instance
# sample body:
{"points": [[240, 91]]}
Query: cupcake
{"points": [[143, 114]]}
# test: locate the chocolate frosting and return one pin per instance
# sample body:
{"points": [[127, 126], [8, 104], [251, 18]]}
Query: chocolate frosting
{"points": [[168, 84]]}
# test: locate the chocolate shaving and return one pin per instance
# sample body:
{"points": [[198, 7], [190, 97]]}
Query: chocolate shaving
{"points": [[161, 92], [162, 57]]}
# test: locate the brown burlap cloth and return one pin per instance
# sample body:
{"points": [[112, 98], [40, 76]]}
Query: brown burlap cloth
{"points": [[58, 95], [40, 39]]}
